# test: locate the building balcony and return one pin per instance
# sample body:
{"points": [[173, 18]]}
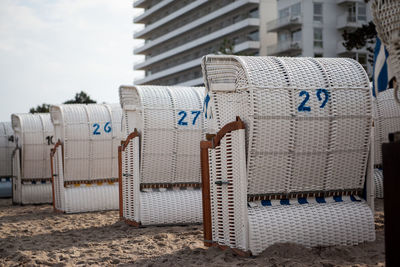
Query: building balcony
{"points": [[194, 82], [140, 3], [143, 33], [341, 2], [246, 23], [193, 25], [144, 17], [287, 48], [285, 23], [347, 21], [247, 46]]}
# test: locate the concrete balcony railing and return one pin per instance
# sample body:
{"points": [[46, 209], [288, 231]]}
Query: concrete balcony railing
{"points": [[139, 3], [340, 2], [242, 47], [285, 48], [246, 23], [194, 24], [150, 11], [167, 19], [284, 23], [346, 21]]}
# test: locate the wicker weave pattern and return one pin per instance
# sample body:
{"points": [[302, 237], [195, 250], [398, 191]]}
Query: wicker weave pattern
{"points": [[31, 131], [130, 181], [36, 193], [170, 207], [229, 201], [289, 150], [345, 223], [169, 151], [386, 16], [378, 181], [91, 198], [31, 160], [171, 127], [90, 135], [386, 113], [6, 148]]}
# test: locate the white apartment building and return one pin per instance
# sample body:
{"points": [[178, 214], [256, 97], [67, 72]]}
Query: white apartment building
{"points": [[314, 28], [178, 33]]}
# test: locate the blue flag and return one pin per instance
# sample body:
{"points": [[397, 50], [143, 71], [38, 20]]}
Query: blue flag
{"points": [[382, 73]]}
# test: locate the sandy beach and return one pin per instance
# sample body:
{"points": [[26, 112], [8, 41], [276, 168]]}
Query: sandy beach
{"points": [[35, 235]]}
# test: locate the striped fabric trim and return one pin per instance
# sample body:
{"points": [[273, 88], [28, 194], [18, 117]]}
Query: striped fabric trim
{"points": [[303, 201], [36, 182]]}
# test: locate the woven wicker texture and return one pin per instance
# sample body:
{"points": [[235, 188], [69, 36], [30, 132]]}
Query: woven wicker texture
{"points": [[6, 148], [31, 161], [378, 181], [33, 132], [171, 126], [36, 193], [131, 182], [342, 223], [386, 114], [308, 120], [229, 201], [253, 226], [170, 207], [386, 16], [90, 135], [91, 198]]}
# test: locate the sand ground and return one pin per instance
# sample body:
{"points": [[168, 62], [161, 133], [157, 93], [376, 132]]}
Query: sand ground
{"points": [[35, 235]]}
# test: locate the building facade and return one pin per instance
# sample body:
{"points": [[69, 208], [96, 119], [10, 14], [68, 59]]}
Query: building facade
{"points": [[314, 28], [178, 33]]}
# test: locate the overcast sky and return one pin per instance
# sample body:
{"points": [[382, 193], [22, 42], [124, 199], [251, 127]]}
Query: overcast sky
{"points": [[52, 49]]}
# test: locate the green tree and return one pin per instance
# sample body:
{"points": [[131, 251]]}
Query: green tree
{"points": [[44, 108], [361, 37], [81, 98]]}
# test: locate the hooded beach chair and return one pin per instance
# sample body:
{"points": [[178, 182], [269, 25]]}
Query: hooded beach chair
{"points": [[160, 156], [289, 161], [6, 149], [85, 158], [386, 114], [31, 164]]}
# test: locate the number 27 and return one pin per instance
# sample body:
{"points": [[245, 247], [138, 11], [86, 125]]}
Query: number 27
{"points": [[183, 115]]}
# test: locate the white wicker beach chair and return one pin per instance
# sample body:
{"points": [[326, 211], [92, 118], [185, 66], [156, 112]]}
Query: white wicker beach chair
{"points": [[293, 167], [386, 114], [84, 160], [386, 16], [6, 149], [31, 164], [160, 158]]}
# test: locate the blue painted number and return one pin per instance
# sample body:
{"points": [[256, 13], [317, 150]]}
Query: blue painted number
{"points": [[183, 114], [196, 115], [302, 106], [96, 129], [107, 127], [326, 93]]}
